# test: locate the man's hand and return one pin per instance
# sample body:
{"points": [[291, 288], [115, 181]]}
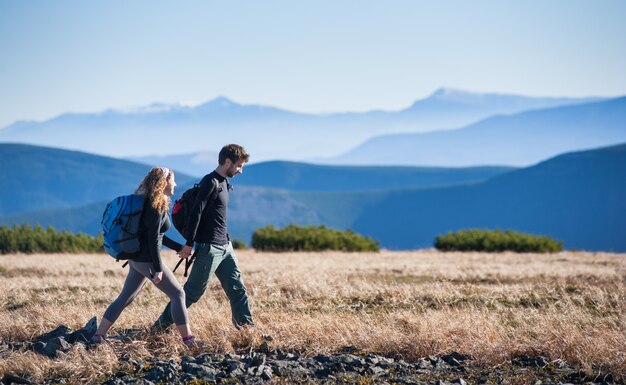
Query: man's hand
{"points": [[185, 252], [157, 278]]}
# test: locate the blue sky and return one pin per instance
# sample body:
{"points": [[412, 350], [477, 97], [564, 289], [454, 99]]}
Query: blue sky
{"points": [[314, 56]]}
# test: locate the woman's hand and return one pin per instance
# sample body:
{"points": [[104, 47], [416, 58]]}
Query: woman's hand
{"points": [[157, 278]]}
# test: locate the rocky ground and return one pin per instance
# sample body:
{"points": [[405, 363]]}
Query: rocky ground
{"points": [[347, 366]]}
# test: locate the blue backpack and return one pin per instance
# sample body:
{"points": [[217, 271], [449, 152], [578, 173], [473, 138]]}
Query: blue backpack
{"points": [[121, 224]]}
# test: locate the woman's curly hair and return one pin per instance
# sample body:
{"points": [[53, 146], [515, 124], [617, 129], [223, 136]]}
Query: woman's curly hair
{"points": [[152, 187]]}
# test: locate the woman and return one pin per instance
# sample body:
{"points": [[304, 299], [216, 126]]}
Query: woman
{"points": [[157, 187]]}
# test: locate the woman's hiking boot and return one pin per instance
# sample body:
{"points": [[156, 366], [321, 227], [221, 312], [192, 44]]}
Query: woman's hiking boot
{"points": [[97, 339], [192, 342]]}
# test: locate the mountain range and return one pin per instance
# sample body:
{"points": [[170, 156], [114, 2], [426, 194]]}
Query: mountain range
{"points": [[296, 176], [575, 197], [268, 133], [517, 140]]}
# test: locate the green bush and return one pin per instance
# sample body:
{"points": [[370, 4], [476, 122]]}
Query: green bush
{"points": [[310, 238], [496, 240], [238, 244], [29, 240]]}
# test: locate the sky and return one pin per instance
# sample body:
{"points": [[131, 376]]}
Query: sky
{"points": [[308, 56]]}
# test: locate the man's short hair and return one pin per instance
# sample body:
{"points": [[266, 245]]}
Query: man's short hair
{"points": [[234, 152]]}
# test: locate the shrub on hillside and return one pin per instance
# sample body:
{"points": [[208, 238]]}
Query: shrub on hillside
{"points": [[496, 240], [310, 238], [29, 240], [238, 244]]}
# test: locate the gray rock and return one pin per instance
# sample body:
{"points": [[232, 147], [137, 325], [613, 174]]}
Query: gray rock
{"points": [[202, 371], [139, 381], [322, 358], [84, 334], [286, 356], [451, 361], [385, 362], [239, 372], [209, 359], [322, 373], [15, 379], [350, 361], [372, 359], [454, 359], [423, 363], [266, 374], [265, 348], [258, 370], [457, 356], [375, 370], [284, 368], [525, 360], [255, 359], [279, 367], [337, 367], [60, 331], [190, 367], [39, 347], [441, 366], [115, 381], [163, 374], [229, 365], [56, 346]]}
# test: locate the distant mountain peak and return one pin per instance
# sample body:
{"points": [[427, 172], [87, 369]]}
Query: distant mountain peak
{"points": [[148, 109], [222, 101], [456, 95], [444, 92]]}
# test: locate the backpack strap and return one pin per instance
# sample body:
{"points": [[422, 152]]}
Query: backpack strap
{"points": [[214, 191]]}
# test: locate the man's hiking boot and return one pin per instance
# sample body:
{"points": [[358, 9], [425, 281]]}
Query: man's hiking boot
{"points": [[245, 326], [158, 327]]}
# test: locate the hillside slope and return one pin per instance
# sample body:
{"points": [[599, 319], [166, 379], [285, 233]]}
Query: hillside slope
{"points": [[40, 178], [576, 197]]}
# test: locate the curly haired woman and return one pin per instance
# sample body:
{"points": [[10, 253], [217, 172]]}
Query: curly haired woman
{"points": [[157, 187]]}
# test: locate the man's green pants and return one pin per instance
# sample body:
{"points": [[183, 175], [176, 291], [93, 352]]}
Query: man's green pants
{"points": [[221, 261]]}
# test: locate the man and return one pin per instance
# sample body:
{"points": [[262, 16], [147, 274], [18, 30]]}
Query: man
{"points": [[214, 254]]}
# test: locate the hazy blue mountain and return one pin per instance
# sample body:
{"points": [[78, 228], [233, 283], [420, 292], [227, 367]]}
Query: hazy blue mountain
{"points": [[36, 178], [311, 177], [462, 107], [268, 133], [576, 197], [298, 176], [517, 140]]}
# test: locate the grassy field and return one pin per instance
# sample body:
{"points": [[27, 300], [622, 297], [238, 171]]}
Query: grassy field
{"points": [[568, 306]]}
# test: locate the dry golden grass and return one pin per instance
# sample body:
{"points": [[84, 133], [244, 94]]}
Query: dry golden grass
{"points": [[567, 306]]}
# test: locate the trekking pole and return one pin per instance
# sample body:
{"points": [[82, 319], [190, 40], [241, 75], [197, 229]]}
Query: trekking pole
{"points": [[178, 264], [188, 264]]}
